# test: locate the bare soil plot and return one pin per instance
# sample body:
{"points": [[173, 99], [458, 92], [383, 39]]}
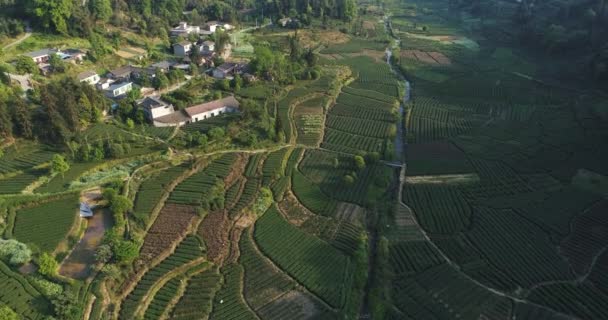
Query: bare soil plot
{"points": [[130, 52], [171, 225], [350, 212], [78, 265], [430, 58], [214, 230]]}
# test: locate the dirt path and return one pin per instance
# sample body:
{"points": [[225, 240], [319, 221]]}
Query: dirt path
{"points": [[78, 265], [17, 41]]}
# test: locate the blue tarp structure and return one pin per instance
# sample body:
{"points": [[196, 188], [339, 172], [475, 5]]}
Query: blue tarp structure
{"points": [[85, 210]]}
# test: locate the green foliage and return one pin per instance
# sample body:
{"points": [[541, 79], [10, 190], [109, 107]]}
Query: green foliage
{"points": [[25, 64], [47, 265], [53, 13], [14, 252], [7, 313], [125, 251]]}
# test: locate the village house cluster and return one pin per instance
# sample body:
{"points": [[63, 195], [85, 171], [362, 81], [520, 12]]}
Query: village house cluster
{"points": [[118, 82]]}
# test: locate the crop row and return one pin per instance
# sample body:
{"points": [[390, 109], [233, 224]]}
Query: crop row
{"points": [[370, 94], [47, 224], [20, 296], [310, 127], [188, 250], [442, 293], [521, 250], [197, 300], [152, 189], [23, 160], [413, 257], [247, 196], [584, 300], [362, 113], [439, 208], [162, 299], [274, 165], [369, 128], [321, 268], [251, 170], [348, 238], [17, 183], [171, 224], [363, 102], [263, 283], [220, 121], [349, 143], [279, 187], [311, 196], [228, 302]]}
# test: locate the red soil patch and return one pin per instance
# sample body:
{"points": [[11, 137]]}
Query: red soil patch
{"points": [[214, 230], [171, 225], [431, 58]]}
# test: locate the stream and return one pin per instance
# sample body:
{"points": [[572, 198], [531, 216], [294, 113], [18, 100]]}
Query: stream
{"points": [[400, 145]]}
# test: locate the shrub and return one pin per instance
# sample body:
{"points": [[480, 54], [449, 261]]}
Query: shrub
{"points": [[14, 251], [47, 265]]}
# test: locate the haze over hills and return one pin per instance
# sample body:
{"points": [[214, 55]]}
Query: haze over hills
{"points": [[336, 159]]}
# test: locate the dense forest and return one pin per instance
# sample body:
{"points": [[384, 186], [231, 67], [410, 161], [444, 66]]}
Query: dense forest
{"points": [[154, 16]]}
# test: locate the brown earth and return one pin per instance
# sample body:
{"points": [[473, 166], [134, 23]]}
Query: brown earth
{"points": [[170, 226], [351, 212], [378, 56], [214, 231], [78, 265], [430, 58]]}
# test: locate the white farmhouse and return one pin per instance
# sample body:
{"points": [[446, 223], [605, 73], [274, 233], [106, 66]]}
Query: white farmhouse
{"points": [[212, 109], [198, 112], [117, 90], [184, 29], [89, 77], [154, 108]]}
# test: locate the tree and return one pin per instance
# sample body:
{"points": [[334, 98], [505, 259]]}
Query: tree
{"points": [[103, 253], [47, 265], [216, 133], [59, 164], [67, 307], [57, 64], [25, 64], [6, 127], [359, 162], [348, 180], [54, 13], [102, 9], [125, 251], [160, 80], [14, 252], [120, 204], [22, 118], [7, 313]]}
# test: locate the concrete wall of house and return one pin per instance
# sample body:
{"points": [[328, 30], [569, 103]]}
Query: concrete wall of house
{"points": [[211, 113], [181, 51], [163, 124], [161, 111]]}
